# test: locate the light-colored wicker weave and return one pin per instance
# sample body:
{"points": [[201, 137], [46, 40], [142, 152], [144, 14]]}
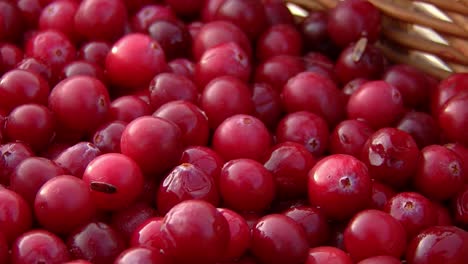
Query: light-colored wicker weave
{"points": [[429, 34]]}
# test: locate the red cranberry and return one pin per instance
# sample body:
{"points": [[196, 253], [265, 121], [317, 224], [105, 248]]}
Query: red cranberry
{"points": [[380, 260], [268, 105], [224, 97], [107, 137], [31, 174], [95, 52], [440, 174], [173, 37], [140, 255], [320, 64], [453, 118], [324, 100], [241, 136], [377, 102], [381, 194], [276, 71], [148, 234], [374, 233], [349, 136], [19, 87], [11, 155], [239, 233], [59, 15], [166, 87], [460, 205], [448, 88], [195, 232], [282, 39], [421, 126], [10, 56], [277, 12], [204, 158], [15, 215], [314, 28], [148, 14], [290, 162], [127, 220], [184, 67], [462, 152], [30, 11], [439, 244], [81, 67], [340, 185], [95, 242], [134, 60], [305, 128], [40, 68], [76, 158], [115, 181], [153, 143], [352, 86], [327, 255], [39, 246], [391, 155], [128, 107], [11, 27], [314, 223], [350, 20], [224, 59], [279, 239], [101, 19], [63, 203]]}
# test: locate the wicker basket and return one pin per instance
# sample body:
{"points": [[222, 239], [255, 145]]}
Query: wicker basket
{"points": [[429, 34]]}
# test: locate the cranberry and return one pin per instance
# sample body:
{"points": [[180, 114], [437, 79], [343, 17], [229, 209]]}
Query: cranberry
{"points": [[377, 102], [439, 173], [239, 233], [12, 24], [360, 60], [290, 162], [314, 28], [205, 159], [115, 181], [140, 255], [15, 215], [166, 87], [107, 137], [224, 59], [184, 67], [63, 203], [320, 64], [462, 152], [350, 20], [381, 194], [173, 37], [95, 52], [282, 39], [340, 185], [128, 107], [39, 246], [349, 136], [391, 155], [374, 233], [194, 232], [76, 158], [313, 221], [448, 88], [59, 15], [31, 174], [324, 99], [148, 14], [443, 215], [224, 97], [380, 260], [30, 11], [267, 103], [277, 70], [101, 19], [11, 155], [10, 56], [245, 185], [134, 60], [153, 143], [352, 86], [127, 220], [81, 67], [279, 239], [452, 118], [277, 12], [241, 136], [460, 205], [40, 68], [305, 128], [439, 244], [148, 234], [95, 242], [421, 126], [327, 255], [19, 87]]}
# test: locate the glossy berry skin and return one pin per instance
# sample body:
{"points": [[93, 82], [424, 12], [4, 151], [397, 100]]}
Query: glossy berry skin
{"points": [[290, 162], [448, 88], [134, 60], [414, 211], [63, 204], [115, 181], [439, 244], [351, 20], [167, 87], [76, 158], [245, 185], [381, 194], [107, 137], [173, 36], [462, 152], [95, 242], [340, 185], [239, 233], [460, 205], [39, 246], [377, 102], [349, 136], [10, 56], [11, 155], [374, 233], [128, 108], [206, 159], [150, 13], [101, 19], [324, 99], [15, 215], [380, 260], [267, 103], [327, 255], [153, 143], [38, 67], [12, 24], [94, 52], [277, 70], [305, 128], [421, 126], [279, 239], [186, 182], [279, 39], [182, 66], [391, 155], [147, 234], [224, 97], [452, 119], [80, 67], [80, 103], [194, 232], [191, 120], [140, 255], [313, 221], [127, 220], [59, 15], [439, 173], [241, 136]]}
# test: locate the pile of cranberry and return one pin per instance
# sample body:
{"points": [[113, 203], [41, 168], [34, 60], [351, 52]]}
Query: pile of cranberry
{"points": [[223, 131]]}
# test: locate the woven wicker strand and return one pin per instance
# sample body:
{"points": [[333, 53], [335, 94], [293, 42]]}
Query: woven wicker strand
{"points": [[429, 34]]}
